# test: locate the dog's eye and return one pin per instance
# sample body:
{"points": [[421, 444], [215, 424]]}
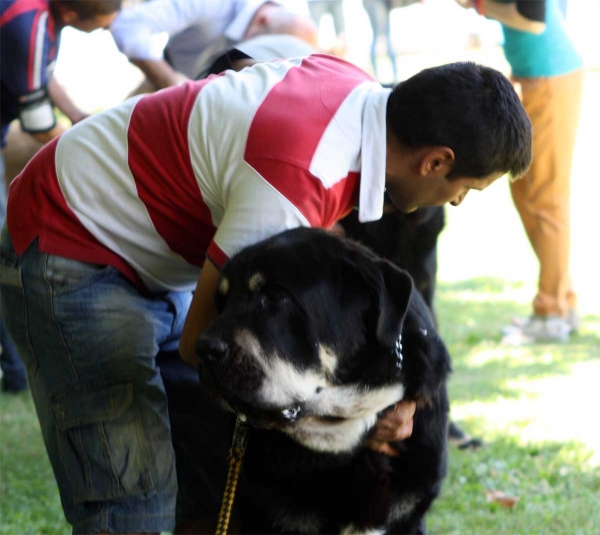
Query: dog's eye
{"points": [[274, 295]]}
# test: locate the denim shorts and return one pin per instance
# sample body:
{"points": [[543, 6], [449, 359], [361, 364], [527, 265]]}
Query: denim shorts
{"points": [[89, 340]]}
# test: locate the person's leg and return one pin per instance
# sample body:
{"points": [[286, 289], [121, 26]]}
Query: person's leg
{"points": [[339, 22], [375, 12], [542, 196], [20, 148], [89, 339], [317, 9], [389, 43], [14, 378]]}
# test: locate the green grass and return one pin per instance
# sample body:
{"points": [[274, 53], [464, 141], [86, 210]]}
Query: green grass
{"points": [[558, 492], [29, 501], [507, 395], [504, 394]]}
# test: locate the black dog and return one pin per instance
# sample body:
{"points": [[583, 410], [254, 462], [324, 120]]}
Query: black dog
{"points": [[317, 336], [407, 240]]}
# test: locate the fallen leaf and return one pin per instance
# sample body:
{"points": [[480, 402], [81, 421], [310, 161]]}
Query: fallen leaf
{"points": [[497, 496]]}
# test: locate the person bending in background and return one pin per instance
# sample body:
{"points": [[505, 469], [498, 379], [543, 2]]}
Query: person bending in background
{"points": [[198, 32], [29, 42], [549, 71]]}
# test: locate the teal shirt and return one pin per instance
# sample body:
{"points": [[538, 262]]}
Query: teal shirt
{"points": [[549, 54]]}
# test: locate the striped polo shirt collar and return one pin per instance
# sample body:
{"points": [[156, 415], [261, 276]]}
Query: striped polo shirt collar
{"points": [[373, 155]]}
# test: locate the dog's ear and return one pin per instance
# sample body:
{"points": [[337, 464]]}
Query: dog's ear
{"points": [[394, 296], [426, 363]]}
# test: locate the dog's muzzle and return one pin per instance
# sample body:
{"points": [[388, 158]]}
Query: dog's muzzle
{"points": [[213, 353]]}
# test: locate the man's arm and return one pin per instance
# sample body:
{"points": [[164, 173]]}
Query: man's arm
{"points": [[202, 311], [159, 72], [135, 31], [63, 102], [510, 14]]}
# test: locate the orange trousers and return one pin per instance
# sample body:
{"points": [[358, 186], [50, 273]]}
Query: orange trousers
{"points": [[542, 197]]}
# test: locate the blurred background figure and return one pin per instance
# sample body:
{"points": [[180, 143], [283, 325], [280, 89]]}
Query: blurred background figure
{"points": [[549, 72], [197, 32], [335, 9], [379, 19], [29, 43], [378, 12]]}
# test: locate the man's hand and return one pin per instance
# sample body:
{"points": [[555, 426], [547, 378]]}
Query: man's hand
{"points": [[159, 72], [395, 424]]}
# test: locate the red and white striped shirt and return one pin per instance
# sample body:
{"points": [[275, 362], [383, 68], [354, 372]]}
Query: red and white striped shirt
{"points": [[159, 182]]}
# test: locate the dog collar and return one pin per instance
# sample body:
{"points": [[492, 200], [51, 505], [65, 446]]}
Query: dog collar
{"points": [[397, 352]]}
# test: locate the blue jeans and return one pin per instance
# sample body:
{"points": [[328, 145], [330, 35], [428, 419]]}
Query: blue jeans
{"points": [[89, 340]]}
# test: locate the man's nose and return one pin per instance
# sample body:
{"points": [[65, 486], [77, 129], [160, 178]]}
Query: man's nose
{"points": [[459, 199]]}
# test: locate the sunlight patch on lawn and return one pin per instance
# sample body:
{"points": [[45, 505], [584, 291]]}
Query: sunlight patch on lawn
{"points": [[557, 408], [528, 355], [516, 293]]}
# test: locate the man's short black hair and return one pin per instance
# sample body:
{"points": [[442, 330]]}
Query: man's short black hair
{"points": [[87, 9], [470, 108]]}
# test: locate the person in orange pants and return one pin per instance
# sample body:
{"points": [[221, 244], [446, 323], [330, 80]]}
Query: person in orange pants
{"points": [[549, 71]]}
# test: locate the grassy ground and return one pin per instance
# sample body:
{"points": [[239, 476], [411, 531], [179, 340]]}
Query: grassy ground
{"points": [[536, 411]]}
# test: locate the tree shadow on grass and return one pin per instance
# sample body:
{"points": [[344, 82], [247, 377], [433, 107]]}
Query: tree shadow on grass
{"points": [[471, 315]]}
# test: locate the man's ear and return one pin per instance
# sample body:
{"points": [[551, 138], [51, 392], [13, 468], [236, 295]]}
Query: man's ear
{"points": [[394, 297], [438, 161]]}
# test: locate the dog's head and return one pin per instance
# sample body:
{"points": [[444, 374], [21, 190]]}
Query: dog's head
{"points": [[315, 336]]}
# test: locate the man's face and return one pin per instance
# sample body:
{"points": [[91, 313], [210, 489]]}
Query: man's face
{"points": [[409, 193]]}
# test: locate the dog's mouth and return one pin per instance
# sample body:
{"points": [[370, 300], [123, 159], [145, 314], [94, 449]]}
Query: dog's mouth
{"points": [[266, 418], [252, 413]]}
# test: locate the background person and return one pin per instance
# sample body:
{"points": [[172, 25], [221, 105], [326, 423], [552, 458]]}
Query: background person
{"points": [[198, 32], [29, 43], [549, 72], [335, 8]]}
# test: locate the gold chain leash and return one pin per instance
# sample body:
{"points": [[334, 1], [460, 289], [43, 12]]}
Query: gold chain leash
{"points": [[236, 457]]}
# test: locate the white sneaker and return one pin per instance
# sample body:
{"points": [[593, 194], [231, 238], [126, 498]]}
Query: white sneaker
{"points": [[573, 319], [542, 329]]}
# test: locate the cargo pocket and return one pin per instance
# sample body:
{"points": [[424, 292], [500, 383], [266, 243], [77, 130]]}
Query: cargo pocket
{"points": [[103, 446]]}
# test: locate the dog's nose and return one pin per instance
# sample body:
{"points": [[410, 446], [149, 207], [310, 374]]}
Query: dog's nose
{"points": [[213, 348]]}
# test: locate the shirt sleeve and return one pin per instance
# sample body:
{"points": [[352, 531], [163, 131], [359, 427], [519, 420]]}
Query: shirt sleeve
{"points": [[27, 73], [254, 211], [136, 29]]}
